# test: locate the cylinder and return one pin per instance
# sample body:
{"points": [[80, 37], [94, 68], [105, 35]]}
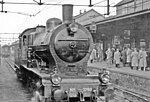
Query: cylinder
{"points": [[67, 13]]}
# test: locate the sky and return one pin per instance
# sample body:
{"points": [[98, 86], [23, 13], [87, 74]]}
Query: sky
{"points": [[13, 23]]}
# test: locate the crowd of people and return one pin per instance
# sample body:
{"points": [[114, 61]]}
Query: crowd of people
{"points": [[138, 59]]}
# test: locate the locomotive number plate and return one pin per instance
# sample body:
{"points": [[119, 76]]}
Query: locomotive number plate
{"points": [[72, 92], [86, 92]]}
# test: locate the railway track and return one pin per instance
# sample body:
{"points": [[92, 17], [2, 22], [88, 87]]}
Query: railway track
{"points": [[124, 94], [130, 96], [11, 64], [11, 89], [121, 94]]}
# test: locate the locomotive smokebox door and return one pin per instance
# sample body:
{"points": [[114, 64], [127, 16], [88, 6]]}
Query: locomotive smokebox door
{"points": [[71, 48]]}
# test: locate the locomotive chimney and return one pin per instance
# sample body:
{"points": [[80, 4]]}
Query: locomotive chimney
{"points": [[67, 13]]}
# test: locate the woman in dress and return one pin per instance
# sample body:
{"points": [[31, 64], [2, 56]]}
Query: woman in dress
{"points": [[142, 59], [117, 57], [134, 59]]}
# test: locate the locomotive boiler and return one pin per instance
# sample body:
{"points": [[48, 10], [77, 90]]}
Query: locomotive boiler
{"points": [[53, 61]]}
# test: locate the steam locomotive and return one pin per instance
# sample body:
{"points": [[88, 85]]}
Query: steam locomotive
{"points": [[52, 60]]}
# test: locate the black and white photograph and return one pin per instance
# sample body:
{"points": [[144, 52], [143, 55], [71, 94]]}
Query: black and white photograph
{"points": [[74, 50]]}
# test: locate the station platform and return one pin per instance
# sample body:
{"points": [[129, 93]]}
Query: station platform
{"points": [[121, 69]]}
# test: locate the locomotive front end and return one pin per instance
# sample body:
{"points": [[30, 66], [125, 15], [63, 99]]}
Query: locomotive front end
{"points": [[71, 45]]}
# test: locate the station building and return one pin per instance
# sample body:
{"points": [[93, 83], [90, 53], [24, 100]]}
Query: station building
{"points": [[129, 27]]}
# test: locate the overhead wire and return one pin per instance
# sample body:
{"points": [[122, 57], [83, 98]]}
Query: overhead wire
{"points": [[76, 5], [3, 11], [99, 2], [25, 21], [39, 3], [26, 14], [56, 4], [33, 15], [40, 12], [27, 18], [46, 8]]}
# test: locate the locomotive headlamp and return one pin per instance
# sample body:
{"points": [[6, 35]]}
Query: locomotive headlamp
{"points": [[73, 27], [104, 77], [56, 79]]}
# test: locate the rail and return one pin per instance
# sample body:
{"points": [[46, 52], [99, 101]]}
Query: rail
{"points": [[140, 96], [10, 64]]}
